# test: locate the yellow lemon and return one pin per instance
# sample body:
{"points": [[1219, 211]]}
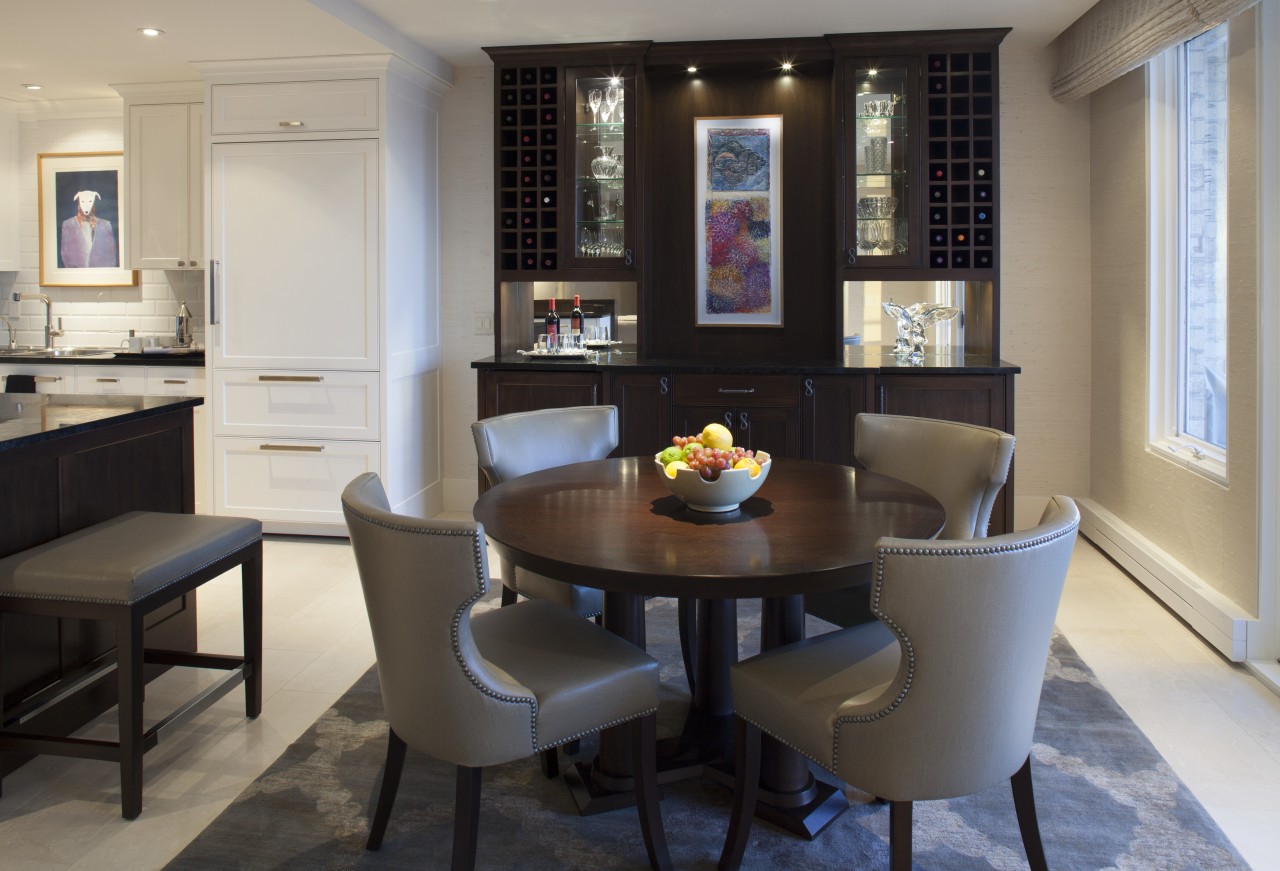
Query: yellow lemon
{"points": [[749, 464], [675, 466], [717, 436]]}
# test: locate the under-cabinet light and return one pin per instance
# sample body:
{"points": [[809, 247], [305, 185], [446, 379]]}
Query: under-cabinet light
{"points": [[31, 87], [150, 31]]}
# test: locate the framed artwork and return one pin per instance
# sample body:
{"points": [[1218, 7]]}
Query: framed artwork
{"points": [[82, 232], [738, 164]]}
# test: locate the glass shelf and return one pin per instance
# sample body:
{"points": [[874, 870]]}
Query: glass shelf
{"points": [[601, 192]]}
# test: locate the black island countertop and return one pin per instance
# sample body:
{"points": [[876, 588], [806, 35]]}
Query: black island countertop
{"points": [[856, 361], [29, 418]]}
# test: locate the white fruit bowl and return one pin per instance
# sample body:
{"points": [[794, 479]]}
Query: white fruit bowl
{"points": [[733, 487]]}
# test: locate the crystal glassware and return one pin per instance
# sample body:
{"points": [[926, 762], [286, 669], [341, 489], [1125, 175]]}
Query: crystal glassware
{"points": [[912, 320], [612, 97], [593, 100]]}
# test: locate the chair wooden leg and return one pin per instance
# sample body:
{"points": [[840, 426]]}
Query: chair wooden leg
{"points": [[130, 683], [899, 836], [746, 785], [1024, 802], [387, 794], [466, 819], [251, 613], [573, 747], [644, 760], [687, 615], [509, 596], [550, 763]]}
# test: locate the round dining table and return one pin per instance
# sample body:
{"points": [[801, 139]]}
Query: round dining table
{"points": [[614, 525]]}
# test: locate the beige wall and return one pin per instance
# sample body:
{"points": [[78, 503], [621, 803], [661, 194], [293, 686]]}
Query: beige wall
{"points": [[1044, 195], [1209, 528]]}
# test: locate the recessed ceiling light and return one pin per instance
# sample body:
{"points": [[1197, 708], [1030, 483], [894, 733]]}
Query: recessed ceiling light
{"points": [[786, 66], [31, 87], [150, 31], [692, 69]]}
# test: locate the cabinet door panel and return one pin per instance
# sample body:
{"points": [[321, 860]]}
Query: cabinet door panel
{"points": [[506, 392], [292, 480], [644, 413], [160, 184], [775, 430], [295, 107], [295, 234], [828, 406]]}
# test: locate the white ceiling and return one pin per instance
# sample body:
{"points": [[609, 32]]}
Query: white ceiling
{"points": [[75, 49]]}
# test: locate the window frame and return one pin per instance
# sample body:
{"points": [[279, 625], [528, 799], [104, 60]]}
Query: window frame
{"points": [[1166, 229]]}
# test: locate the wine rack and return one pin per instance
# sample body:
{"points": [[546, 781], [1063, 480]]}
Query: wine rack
{"points": [[961, 160], [529, 166]]}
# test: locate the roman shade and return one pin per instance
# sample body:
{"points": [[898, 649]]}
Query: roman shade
{"points": [[1116, 36]]}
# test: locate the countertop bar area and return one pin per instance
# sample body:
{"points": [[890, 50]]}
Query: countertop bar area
{"points": [[69, 461]]}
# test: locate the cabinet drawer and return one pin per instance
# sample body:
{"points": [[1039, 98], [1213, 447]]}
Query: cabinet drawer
{"points": [[775, 391], [293, 480], [49, 379], [111, 379], [327, 405], [175, 381], [295, 107]]}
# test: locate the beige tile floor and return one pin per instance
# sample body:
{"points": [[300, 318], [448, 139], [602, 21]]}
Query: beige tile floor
{"points": [[1217, 726]]}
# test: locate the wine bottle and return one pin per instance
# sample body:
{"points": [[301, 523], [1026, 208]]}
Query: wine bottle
{"points": [[552, 324], [575, 317]]}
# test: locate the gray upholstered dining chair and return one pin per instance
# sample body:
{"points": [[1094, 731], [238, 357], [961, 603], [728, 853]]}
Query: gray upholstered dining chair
{"points": [[961, 465], [937, 698], [486, 689]]}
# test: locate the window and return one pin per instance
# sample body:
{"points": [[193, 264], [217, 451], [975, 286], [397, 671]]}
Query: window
{"points": [[1189, 160]]}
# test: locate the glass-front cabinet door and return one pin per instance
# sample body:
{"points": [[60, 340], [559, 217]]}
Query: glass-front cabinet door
{"points": [[602, 106], [880, 225]]}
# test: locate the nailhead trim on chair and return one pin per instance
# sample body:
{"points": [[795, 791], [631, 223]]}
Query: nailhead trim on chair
{"points": [[87, 600], [482, 588]]}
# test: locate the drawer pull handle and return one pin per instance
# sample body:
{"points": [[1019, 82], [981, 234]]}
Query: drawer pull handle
{"points": [[174, 381], [735, 390], [312, 449], [47, 379], [107, 380], [290, 123], [307, 378]]}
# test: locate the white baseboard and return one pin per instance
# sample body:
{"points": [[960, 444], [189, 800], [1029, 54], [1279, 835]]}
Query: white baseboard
{"points": [[1212, 615]]}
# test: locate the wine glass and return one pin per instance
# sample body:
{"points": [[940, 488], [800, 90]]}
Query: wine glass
{"points": [[612, 97], [593, 100]]}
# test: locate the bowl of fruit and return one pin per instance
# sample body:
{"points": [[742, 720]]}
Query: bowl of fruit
{"points": [[708, 472]]}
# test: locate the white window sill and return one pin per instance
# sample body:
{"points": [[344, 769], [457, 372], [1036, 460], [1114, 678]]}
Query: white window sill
{"points": [[1183, 454]]}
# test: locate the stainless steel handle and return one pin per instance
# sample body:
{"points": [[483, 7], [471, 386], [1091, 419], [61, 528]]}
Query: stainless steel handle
{"points": [[663, 387], [107, 380], [735, 390], [853, 256], [290, 123], [808, 387], [174, 381], [213, 292], [310, 449], [307, 378], [47, 379]]}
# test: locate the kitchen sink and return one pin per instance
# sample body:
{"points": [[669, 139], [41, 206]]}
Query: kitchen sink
{"points": [[56, 352]]}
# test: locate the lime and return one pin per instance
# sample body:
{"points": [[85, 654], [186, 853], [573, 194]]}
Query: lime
{"points": [[717, 436], [671, 454]]}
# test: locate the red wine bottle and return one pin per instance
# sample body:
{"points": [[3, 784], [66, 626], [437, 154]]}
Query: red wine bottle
{"points": [[575, 317], [552, 324]]}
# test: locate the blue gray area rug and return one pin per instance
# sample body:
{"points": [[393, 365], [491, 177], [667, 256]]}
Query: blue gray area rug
{"points": [[1106, 800]]}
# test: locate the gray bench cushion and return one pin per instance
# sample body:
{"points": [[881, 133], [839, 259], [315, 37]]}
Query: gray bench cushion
{"points": [[125, 559]]}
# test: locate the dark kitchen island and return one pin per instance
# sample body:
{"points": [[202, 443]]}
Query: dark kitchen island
{"points": [[67, 462]]}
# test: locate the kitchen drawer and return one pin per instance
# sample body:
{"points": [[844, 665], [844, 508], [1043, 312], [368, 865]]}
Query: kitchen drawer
{"points": [[291, 480], [315, 405], [295, 107], [111, 380], [773, 391], [49, 379], [175, 381]]}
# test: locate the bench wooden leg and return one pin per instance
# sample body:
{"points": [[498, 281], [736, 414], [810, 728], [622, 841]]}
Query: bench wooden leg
{"points": [[251, 605], [129, 646]]}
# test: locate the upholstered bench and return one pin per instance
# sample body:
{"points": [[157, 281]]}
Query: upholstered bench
{"points": [[121, 570]]}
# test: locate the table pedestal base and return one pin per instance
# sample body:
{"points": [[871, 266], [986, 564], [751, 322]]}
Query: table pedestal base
{"points": [[804, 814]]}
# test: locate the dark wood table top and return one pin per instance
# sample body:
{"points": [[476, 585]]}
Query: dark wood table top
{"points": [[614, 525]]}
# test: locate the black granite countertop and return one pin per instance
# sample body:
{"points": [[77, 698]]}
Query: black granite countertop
{"points": [[28, 418], [103, 357], [856, 360]]}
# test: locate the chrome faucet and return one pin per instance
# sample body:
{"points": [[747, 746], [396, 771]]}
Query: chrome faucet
{"points": [[49, 332], [9, 326]]}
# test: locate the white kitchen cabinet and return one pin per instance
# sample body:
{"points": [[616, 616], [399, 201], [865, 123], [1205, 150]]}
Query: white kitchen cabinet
{"points": [[295, 251], [8, 189], [111, 380], [164, 175], [188, 381], [324, 341], [324, 106], [49, 378]]}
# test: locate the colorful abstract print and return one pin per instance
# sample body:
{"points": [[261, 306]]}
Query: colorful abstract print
{"points": [[738, 256], [738, 228]]}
